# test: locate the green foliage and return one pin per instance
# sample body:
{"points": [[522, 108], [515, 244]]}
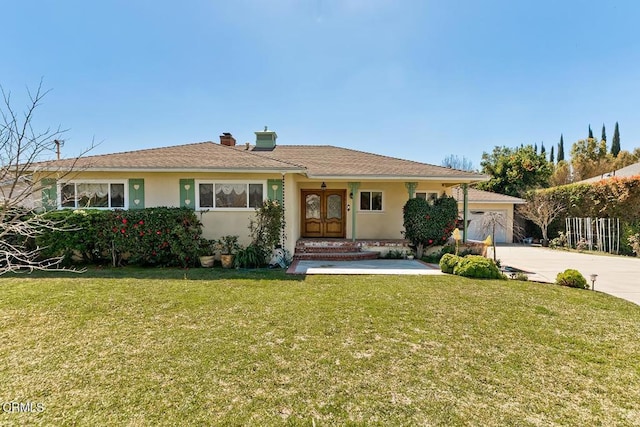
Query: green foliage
{"points": [[252, 256], [153, 236], [266, 228], [515, 171], [77, 236], [394, 254], [572, 278], [228, 245], [615, 143], [634, 242], [611, 198], [561, 149], [478, 267], [521, 277], [551, 155], [448, 263], [627, 231], [429, 225]]}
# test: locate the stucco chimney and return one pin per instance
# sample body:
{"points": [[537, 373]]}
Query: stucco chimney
{"points": [[227, 139]]}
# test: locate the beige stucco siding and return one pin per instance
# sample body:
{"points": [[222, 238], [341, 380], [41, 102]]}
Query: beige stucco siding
{"points": [[163, 189]]}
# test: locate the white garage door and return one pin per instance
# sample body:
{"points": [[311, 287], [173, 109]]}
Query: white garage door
{"points": [[480, 225]]}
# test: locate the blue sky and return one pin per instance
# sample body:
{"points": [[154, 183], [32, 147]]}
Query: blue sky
{"points": [[412, 79]]}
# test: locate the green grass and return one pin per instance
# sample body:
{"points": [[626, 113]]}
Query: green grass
{"points": [[147, 347]]}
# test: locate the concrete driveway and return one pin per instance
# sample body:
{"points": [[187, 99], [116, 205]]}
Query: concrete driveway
{"points": [[617, 275]]}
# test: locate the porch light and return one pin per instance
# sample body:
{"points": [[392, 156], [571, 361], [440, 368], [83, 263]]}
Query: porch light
{"points": [[593, 281], [323, 186]]}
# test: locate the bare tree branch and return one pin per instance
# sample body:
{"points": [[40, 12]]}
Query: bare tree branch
{"points": [[26, 163], [542, 209]]}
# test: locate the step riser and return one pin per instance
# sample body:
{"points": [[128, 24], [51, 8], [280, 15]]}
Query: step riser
{"points": [[353, 256]]}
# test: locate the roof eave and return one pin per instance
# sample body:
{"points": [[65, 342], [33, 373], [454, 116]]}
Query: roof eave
{"points": [[447, 179], [190, 170]]}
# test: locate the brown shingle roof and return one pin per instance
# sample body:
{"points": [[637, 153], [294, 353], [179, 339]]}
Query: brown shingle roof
{"points": [[329, 161], [197, 156], [481, 196], [316, 161]]}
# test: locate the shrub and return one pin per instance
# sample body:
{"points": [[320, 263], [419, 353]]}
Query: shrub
{"points": [[252, 256], [266, 229], [394, 254], [634, 242], [478, 267], [521, 276], [429, 225], [152, 236], [572, 278], [448, 262]]}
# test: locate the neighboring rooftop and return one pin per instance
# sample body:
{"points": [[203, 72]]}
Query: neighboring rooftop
{"points": [[625, 172]]}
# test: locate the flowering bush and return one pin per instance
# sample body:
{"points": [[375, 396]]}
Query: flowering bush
{"points": [[153, 236], [429, 225]]}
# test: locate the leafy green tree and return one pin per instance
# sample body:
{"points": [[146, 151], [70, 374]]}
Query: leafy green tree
{"points": [[561, 149], [543, 150], [515, 171], [615, 143], [551, 157], [561, 174], [590, 133], [589, 158], [604, 134]]}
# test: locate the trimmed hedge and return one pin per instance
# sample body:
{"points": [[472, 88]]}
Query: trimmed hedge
{"points": [[610, 198], [478, 267], [149, 237], [572, 278], [448, 263]]}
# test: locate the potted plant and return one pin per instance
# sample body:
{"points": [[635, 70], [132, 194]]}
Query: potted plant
{"points": [[206, 251], [228, 247]]}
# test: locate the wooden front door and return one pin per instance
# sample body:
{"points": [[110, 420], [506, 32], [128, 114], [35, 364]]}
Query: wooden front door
{"points": [[323, 213]]}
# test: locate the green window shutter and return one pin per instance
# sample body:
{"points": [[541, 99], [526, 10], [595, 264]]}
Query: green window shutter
{"points": [[187, 193], [274, 194], [49, 194], [136, 193]]}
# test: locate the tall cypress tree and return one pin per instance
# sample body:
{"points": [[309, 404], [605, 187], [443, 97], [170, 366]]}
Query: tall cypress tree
{"points": [[561, 149], [604, 134], [542, 149], [551, 159], [535, 148], [590, 133], [615, 143]]}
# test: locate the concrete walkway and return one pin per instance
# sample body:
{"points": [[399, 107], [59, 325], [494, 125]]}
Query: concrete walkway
{"points": [[617, 275], [376, 266]]}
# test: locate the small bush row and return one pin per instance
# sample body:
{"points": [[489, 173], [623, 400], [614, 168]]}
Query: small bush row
{"points": [[474, 266]]}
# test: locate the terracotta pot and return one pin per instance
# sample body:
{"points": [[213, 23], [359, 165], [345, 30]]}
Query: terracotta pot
{"points": [[227, 261]]}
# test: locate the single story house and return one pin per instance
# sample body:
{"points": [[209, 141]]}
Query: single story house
{"points": [[486, 204], [328, 192]]}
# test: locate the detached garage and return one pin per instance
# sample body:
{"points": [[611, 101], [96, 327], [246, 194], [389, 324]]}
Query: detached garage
{"points": [[486, 208]]}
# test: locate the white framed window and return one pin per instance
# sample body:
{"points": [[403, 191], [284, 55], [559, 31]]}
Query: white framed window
{"points": [[429, 196], [371, 201], [93, 194], [231, 195]]}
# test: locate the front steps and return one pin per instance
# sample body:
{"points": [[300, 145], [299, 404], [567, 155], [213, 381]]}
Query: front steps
{"points": [[331, 250]]}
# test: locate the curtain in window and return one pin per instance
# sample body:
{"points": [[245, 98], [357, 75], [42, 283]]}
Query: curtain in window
{"points": [[231, 195]]}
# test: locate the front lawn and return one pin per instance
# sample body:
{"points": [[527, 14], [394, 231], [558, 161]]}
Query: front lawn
{"points": [[204, 347]]}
